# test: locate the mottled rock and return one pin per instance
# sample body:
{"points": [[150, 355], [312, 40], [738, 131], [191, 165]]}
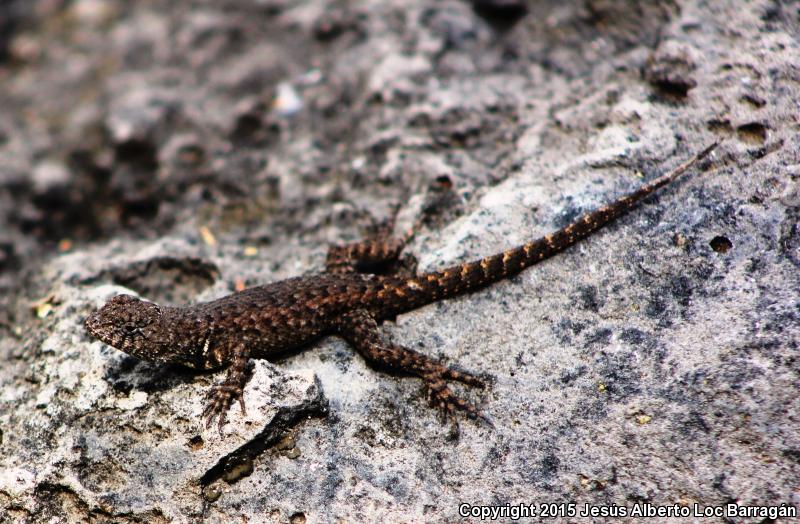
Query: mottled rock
{"points": [[654, 363]]}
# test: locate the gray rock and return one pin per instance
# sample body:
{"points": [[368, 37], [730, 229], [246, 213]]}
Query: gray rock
{"points": [[654, 363]]}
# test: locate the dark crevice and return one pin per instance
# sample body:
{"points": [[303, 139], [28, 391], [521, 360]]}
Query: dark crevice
{"points": [[170, 280], [721, 244], [672, 90], [502, 15], [140, 153], [14, 15], [754, 133]]}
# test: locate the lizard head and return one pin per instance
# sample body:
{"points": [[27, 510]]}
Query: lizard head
{"points": [[131, 325]]}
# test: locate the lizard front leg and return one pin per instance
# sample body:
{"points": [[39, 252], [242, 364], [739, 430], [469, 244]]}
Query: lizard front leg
{"points": [[221, 396], [362, 332]]}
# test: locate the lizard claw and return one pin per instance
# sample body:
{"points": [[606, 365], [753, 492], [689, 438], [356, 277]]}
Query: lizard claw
{"points": [[218, 402], [442, 397]]}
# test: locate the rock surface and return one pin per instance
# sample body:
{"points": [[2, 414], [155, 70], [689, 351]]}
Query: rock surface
{"points": [[180, 150]]}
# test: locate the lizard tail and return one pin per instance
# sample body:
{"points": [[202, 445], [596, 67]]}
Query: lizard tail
{"points": [[469, 276]]}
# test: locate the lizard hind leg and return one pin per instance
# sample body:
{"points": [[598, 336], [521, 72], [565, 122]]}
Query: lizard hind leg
{"points": [[361, 330], [378, 252], [365, 256]]}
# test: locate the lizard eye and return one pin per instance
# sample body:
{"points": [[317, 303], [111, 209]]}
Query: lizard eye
{"points": [[129, 328]]}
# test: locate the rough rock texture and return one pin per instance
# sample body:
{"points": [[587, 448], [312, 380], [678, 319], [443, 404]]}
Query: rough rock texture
{"points": [[181, 149]]}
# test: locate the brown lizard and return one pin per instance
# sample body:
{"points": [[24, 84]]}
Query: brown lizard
{"points": [[346, 300]]}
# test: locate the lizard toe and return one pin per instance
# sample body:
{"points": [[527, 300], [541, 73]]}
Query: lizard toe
{"points": [[442, 397], [218, 401], [465, 377]]}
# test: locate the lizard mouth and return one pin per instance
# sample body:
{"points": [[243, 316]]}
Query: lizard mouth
{"points": [[90, 324], [95, 327]]}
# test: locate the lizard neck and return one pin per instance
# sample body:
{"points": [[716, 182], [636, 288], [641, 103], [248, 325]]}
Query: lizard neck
{"points": [[184, 333]]}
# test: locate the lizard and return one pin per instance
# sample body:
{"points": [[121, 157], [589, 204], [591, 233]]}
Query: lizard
{"points": [[347, 299]]}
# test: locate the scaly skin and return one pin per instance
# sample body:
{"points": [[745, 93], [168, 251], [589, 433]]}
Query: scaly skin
{"points": [[344, 301]]}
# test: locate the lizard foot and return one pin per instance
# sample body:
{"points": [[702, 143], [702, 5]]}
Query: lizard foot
{"points": [[442, 397], [218, 402]]}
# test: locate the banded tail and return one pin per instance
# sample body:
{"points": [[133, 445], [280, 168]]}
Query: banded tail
{"points": [[469, 276]]}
